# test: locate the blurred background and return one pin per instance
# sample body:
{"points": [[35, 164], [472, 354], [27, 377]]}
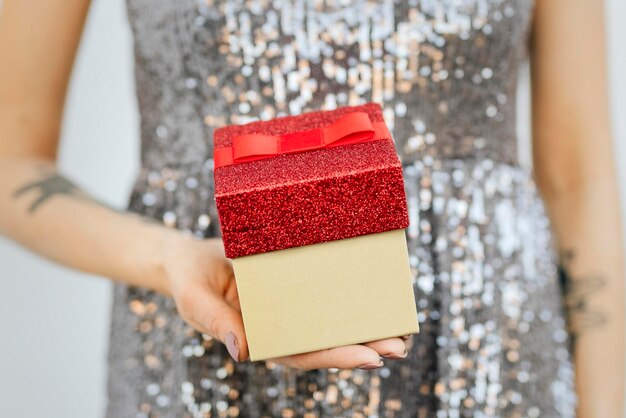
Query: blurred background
{"points": [[54, 322]]}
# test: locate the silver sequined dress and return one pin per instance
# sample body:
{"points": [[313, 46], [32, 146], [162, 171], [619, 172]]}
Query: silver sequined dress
{"points": [[493, 340]]}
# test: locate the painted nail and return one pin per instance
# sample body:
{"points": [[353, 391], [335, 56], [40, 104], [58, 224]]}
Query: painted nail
{"points": [[231, 345], [369, 366], [397, 356]]}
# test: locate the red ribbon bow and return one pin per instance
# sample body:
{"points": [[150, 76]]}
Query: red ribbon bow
{"points": [[352, 128]]}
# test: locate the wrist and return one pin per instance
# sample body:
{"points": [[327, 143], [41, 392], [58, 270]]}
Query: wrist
{"points": [[166, 243], [145, 255]]}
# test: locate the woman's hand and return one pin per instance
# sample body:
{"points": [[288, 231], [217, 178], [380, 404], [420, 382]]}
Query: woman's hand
{"points": [[200, 279]]}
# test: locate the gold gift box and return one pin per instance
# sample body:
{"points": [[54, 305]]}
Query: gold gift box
{"points": [[326, 295], [313, 214]]}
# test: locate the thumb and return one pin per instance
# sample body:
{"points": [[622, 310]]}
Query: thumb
{"points": [[215, 317]]}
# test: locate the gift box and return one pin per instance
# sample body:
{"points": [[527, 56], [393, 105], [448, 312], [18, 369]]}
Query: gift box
{"points": [[312, 211]]}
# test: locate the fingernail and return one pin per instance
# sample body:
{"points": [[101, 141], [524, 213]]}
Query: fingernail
{"points": [[231, 345], [369, 366], [397, 356]]}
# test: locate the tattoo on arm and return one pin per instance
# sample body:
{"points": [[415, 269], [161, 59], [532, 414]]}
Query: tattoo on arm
{"points": [[50, 185], [53, 184], [581, 315]]}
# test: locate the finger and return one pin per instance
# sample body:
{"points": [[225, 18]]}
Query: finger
{"points": [[212, 315], [346, 357], [232, 296], [393, 348]]}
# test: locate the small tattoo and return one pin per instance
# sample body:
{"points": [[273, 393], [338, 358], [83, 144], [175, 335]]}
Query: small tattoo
{"points": [[581, 314], [51, 185]]}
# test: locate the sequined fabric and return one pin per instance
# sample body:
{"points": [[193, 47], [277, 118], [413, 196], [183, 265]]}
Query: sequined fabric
{"points": [[492, 342]]}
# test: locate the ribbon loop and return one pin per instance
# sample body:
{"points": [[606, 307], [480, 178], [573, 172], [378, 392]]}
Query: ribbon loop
{"points": [[255, 146], [351, 128]]}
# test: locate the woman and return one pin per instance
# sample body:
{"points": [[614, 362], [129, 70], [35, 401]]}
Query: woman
{"points": [[493, 338]]}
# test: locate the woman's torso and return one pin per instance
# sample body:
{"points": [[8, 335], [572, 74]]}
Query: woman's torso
{"points": [[445, 71]]}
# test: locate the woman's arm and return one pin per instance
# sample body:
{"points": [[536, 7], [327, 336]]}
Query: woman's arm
{"points": [[49, 214], [37, 49], [574, 164]]}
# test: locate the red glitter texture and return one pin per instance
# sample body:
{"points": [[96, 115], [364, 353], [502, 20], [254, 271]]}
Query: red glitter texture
{"points": [[293, 200]]}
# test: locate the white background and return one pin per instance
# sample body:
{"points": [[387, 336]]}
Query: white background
{"points": [[54, 322]]}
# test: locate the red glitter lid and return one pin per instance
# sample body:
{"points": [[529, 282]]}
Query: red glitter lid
{"points": [[292, 200]]}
